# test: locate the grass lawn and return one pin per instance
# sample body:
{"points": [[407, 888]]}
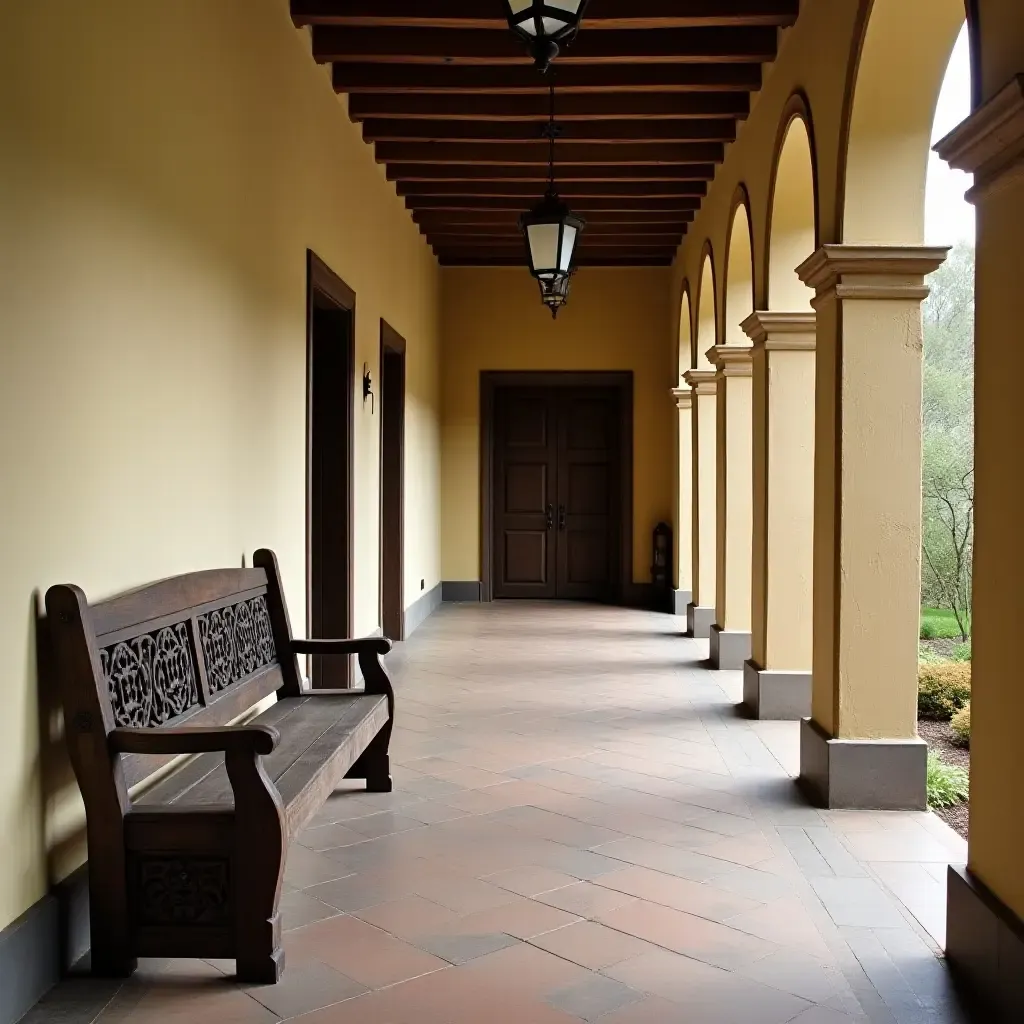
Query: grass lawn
{"points": [[942, 623]]}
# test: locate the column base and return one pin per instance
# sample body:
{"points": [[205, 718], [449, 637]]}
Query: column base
{"points": [[985, 946], [874, 775], [683, 599], [777, 696], [699, 621], [729, 648]]}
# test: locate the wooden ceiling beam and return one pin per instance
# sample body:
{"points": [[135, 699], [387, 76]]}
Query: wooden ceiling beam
{"points": [[695, 175], [534, 153], [570, 191], [601, 15], [473, 46], [598, 106], [583, 79], [675, 208], [606, 220], [636, 130]]}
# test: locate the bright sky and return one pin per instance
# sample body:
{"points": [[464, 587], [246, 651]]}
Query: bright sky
{"points": [[949, 218]]}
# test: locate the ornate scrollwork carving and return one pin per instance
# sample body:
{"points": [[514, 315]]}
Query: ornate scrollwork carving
{"points": [[151, 678], [237, 641], [184, 891]]}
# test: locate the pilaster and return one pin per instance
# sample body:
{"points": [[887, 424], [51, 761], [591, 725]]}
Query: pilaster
{"points": [[730, 635], [683, 398], [700, 615], [985, 922], [777, 678], [860, 748]]}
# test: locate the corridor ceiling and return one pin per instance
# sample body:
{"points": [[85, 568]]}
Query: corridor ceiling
{"points": [[648, 96]]}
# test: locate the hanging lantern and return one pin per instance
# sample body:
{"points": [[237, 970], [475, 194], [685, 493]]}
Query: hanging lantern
{"points": [[552, 231], [544, 25], [555, 294]]}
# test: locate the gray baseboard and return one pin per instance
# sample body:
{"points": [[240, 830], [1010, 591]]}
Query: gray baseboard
{"points": [[461, 591], [699, 621], [985, 946], [729, 648], [776, 696], [41, 945], [683, 599], [874, 775], [420, 610]]}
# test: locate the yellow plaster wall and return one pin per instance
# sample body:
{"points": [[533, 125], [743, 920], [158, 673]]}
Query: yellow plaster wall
{"points": [[163, 168], [494, 320]]}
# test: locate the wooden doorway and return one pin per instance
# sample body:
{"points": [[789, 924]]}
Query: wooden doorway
{"points": [[392, 477], [330, 371], [557, 485]]}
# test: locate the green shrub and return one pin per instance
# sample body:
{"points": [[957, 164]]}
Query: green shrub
{"points": [[926, 656], [943, 688], [941, 623], [947, 785], [962, 652], [960, 726], [929, 631]]}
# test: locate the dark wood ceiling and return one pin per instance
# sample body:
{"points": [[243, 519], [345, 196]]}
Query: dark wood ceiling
{"points": [[648, 96]]}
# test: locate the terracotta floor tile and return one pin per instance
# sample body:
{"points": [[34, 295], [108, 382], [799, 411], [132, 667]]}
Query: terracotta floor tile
{"points": [[407, 917], [531, 881], [586, 899], [591, 945], [307, 987], [593, 998], [524, 919]]}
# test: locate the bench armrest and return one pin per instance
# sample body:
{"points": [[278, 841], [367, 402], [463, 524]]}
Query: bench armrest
{"points": [[235, 739], [367, 645]]}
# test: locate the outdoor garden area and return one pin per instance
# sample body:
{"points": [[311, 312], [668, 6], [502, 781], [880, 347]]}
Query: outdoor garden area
{"points": [[944, 674]]}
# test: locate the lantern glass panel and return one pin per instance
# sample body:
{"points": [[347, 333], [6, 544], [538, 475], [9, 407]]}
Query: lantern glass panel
{"points": [[568, 248], [544, 246]]}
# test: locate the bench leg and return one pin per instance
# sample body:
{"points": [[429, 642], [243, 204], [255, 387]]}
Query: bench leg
{"points": [[255, 969], [110, 933], [374, 765]]}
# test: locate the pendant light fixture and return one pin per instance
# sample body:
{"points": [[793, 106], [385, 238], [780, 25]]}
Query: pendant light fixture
{"points": [[555, 294], [551, 229], [545, 25]]}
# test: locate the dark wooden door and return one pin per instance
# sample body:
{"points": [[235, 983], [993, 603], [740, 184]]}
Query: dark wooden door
{"points": [[588, 493], [525, 486], [392, 531], [557, 509]]}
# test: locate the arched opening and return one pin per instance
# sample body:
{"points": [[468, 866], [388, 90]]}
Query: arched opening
{"points": [[903, 60], [685, 333], [793, 224], [739, 276], [706, 334]]}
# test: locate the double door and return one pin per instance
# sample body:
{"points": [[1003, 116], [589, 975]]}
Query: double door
{"points": [[557, 493]]}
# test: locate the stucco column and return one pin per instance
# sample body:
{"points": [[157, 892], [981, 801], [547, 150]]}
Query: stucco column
{"points": [[985, 917], [684, 502], [730, 635], [700, 615], [777, 678], [860, 747]]}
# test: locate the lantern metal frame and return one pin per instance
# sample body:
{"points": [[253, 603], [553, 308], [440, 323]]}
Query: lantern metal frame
{"points": [[544, 43], [555, 293]]}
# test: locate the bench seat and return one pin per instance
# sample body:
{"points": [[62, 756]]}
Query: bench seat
{"points": [[322, 736]]}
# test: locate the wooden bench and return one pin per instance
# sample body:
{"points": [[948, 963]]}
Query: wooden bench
{"points": [[193, 868]]}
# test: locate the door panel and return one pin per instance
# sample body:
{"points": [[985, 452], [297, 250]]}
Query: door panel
{"points": [[526, 450], [588, 456]]}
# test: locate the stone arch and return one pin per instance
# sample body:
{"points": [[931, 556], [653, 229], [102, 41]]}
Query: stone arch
{"points": [[792, 209], [706, 332], [685, 332], [904, 52], [738, 293]]}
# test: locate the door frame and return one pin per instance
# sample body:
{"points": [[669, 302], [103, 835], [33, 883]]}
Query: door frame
{"points": [[321, 280], [393, 344], [490, 382]]}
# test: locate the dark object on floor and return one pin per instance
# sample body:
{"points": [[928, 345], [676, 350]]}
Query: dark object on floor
{"points": [[194, 867]]}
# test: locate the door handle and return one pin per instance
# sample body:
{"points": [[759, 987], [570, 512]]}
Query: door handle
{"points": [[561, 517], [550, 515]]}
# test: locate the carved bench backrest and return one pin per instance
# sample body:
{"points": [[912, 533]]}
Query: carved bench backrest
{"points": [[199, 649]]}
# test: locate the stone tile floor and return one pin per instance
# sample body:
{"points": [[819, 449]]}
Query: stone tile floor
{"points": [[583, 828]]}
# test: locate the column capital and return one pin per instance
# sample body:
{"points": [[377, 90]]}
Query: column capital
{"points": [[683, 397], [990, 143], [703, 382], [781, 332], [732, 360], [871, 271]]}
